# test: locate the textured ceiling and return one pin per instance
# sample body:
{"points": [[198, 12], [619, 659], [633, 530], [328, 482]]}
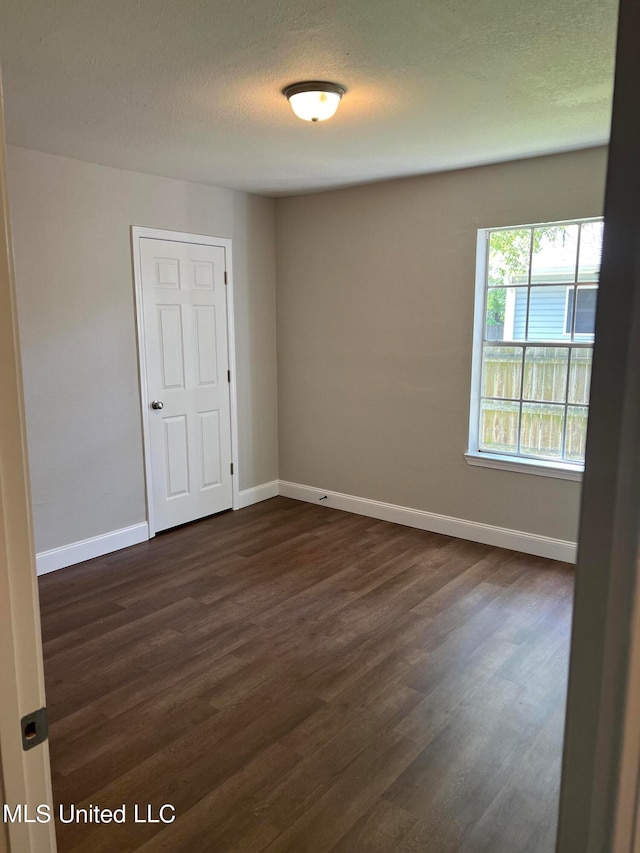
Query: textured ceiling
{"points": [[191, 89]]}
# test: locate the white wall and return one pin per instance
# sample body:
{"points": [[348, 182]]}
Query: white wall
{"points": [[375, 315], [71, 224]]}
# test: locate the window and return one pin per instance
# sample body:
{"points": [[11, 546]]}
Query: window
{"points": [[534, 328], [585, 319]]}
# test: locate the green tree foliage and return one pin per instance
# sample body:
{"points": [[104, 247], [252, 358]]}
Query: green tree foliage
{"points": [[509, 254], [496, 301]]}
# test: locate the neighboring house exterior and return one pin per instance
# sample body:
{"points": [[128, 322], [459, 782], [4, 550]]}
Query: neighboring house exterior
{"points": [[551, 308], [550, 313]]}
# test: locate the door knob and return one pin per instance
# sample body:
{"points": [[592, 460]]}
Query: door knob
{"points": [[157, 404]]}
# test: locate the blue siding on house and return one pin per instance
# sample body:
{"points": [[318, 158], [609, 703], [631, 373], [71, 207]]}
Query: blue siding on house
{"points": [[546, 313]]}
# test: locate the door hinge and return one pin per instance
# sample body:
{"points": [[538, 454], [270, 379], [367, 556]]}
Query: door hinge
{"points": [[225, 277], [232, 469], [35, 728], [228, 376]]}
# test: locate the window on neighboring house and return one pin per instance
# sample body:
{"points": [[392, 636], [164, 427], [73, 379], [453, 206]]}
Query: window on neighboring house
{"points": [[534, 329], [585, 319]]}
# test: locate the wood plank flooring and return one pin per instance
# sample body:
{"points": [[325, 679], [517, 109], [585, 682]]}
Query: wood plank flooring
{"points": [[294, 678]]}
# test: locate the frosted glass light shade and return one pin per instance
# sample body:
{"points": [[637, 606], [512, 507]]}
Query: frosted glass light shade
{"points": [[314, 101]]}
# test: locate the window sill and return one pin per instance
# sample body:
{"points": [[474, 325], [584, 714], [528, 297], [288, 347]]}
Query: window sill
{"points": [[559, 470]]}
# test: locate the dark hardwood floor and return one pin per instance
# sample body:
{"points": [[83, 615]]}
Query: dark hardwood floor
{"points": [[293, 678]]}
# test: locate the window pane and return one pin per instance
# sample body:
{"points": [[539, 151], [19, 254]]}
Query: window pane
{"points": [[542, 426], [576, 433], [509, 253], [580, 375], [499, 426], [555, 253], [545, 374], [590, 251], [501, 311], [501, 372], [547, 314]]}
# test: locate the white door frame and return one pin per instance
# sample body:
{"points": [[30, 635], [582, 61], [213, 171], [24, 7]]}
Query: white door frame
{"points": [[138, 233], [25, 774]]}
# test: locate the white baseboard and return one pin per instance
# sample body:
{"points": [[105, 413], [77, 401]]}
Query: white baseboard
{"points": [[96, 546], [263, 492], [515, 540]]}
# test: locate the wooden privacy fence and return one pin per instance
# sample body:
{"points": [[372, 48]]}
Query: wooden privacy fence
{"points": [[552, 378]]}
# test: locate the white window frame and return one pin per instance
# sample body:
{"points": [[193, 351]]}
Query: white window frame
{"points": [[482, 458]]}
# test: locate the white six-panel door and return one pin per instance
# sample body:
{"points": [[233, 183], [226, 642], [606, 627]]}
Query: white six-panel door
{"points": [[184, 308]]}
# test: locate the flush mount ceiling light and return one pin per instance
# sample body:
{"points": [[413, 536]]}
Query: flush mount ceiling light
{"points": [[314, 100]]}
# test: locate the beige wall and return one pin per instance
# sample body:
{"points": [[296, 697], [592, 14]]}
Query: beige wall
{"points": [[71, 223], [375, 316], [375, 312]]}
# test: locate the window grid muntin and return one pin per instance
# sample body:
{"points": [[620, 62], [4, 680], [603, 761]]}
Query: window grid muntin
{"points": [[525, 343]]}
